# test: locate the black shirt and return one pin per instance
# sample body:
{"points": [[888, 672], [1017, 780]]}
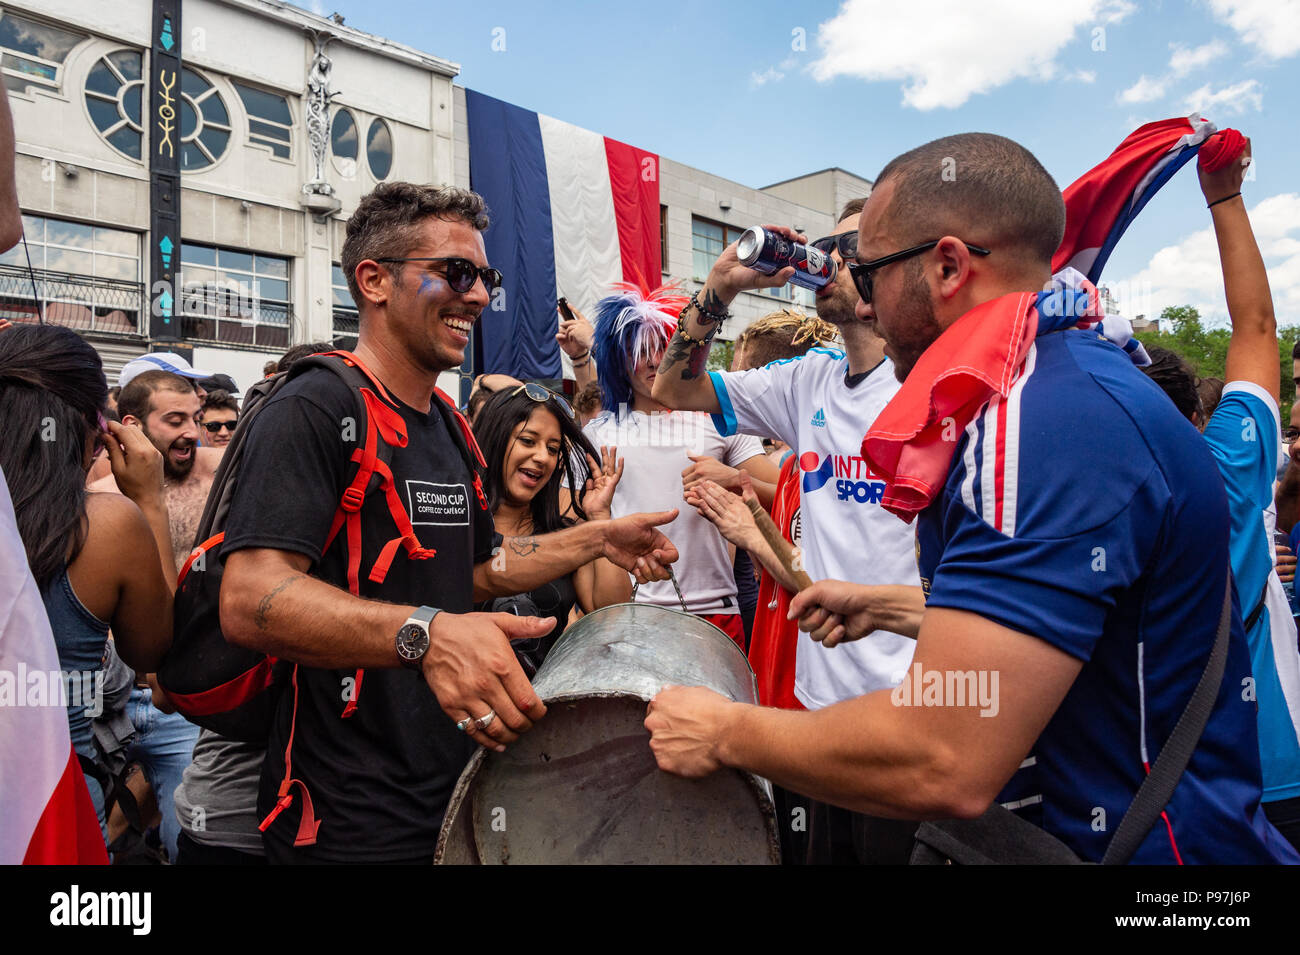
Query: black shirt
{"points": [[380, 779]]}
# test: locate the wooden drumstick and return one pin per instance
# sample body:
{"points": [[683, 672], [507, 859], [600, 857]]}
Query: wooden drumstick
{"points": [[780, 546]]}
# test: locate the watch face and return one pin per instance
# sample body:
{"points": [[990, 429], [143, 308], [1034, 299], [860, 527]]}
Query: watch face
{"points": [[412, 641]]}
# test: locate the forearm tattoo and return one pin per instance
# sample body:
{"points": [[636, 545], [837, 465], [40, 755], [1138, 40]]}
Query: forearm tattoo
{"points": [[524, 546], [693, 356], [262, 614]]}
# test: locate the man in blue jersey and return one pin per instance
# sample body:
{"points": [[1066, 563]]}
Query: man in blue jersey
{"points": [[1240, 435], [1074, 560]]}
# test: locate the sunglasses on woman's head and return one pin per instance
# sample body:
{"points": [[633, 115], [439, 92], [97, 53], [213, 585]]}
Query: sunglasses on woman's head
{"points": [[461, 273], [539, 393]]}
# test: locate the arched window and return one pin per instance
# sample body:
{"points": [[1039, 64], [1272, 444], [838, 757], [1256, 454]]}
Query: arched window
{"points": [[343, 143], [114, 99], [379, 149], [205, 122]]}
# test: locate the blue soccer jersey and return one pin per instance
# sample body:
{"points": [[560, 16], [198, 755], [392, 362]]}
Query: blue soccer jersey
{"points": [[1241, 435], [1085, 511]]}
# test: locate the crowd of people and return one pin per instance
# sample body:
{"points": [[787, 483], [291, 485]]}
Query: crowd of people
{"points": [[974, 486]]}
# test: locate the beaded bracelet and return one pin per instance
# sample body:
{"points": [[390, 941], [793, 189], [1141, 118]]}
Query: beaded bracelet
{"points": [[715, 317]]}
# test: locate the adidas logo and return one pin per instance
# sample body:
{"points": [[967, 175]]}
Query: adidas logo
{"points": [[819, 419]]}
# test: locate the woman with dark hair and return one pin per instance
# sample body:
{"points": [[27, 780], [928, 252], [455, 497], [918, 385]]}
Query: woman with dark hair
{"points": [[534, 450], [95, 557]]}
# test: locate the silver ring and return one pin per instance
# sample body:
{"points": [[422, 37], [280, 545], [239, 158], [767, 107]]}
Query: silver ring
{"points": [[483, 722], [464, 724]]}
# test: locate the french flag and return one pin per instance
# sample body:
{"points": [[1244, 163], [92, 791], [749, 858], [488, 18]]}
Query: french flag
{"points": [[572, 213], [47, 817], [1102, 202]]}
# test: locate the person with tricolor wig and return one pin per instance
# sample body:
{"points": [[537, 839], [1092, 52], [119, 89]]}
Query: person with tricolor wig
{"points": [[633, 326], [1073, 546]]}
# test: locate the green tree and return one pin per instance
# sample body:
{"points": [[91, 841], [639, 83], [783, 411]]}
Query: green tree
{"points": [[720, 355], [1207, 350]]}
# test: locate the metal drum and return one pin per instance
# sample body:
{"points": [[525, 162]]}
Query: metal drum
{"points": [[582, 786]]}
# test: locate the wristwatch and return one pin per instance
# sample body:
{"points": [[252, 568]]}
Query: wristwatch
{"points": [[413, 637]]}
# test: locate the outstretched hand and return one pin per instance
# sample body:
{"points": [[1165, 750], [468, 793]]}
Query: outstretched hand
{"points": [[833, 611], [635, 544]]}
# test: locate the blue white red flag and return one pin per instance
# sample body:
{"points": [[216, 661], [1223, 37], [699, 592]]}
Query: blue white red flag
{"points": [[1102, 202], [573, 213]]}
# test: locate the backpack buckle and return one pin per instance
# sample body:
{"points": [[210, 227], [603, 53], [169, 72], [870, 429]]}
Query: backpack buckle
{"points": [[353, 498]]}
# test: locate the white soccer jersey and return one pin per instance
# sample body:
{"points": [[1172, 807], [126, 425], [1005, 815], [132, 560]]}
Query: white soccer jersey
{"points": [[654, 449], [847, 535]]}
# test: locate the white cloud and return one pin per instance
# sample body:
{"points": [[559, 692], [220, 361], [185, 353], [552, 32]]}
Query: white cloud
{"points": [[1084, 76], [1184, 60], [1190, 273], [770, 75], [1271, 26], [1229, 101], [946, 51], [1144, 90], [318, 8]]}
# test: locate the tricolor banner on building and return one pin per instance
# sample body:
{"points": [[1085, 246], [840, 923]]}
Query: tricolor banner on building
{"points": [[572, 212]]}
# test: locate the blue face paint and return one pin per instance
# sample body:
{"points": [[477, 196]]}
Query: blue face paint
{"points": [[432, 286]]}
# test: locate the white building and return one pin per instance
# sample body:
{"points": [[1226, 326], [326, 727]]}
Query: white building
{"points": [[258, 257]]}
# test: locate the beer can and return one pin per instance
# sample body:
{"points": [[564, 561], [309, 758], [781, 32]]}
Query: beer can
{"points": [[769, 252]]}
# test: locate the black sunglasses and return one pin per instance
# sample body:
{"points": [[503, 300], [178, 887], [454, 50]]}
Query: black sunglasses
{"points": [[845, 242], [461, 273], [539, 393], [215, 426], [861, 271]]}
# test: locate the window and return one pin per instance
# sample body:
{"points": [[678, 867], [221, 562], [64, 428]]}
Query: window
{"points": [[87, 276], [343, 143], [379, 149], [32, 53], [270, 123], [114, 91], [205, 123], [663, 239], [708, 239], [230, 295], [346, 318]]}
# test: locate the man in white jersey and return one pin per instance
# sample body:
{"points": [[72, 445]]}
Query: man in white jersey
{"points": [[821, 405]]}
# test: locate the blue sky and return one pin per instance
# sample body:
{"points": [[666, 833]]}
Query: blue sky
{"points": [[764, 91]]}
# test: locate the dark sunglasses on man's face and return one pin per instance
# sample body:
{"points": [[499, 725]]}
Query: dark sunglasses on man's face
{"points": [[215, 426], [461, 273], [845, 242], [861, 271]]}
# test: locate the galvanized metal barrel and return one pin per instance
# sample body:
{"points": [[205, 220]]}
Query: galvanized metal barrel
{"points": [[582, 786]]}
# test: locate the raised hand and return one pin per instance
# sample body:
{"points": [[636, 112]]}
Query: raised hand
{"points": [[604, 479], [635, 544]]}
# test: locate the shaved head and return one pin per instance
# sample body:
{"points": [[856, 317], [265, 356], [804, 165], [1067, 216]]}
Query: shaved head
{"points": [[981, 188]]}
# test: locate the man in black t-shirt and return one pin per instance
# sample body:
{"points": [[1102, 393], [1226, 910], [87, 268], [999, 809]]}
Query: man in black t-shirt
{"points": [[391, 686]]}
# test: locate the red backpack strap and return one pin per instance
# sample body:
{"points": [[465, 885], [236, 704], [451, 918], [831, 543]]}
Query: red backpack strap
{"points": [[471, 447], [309, 825]]}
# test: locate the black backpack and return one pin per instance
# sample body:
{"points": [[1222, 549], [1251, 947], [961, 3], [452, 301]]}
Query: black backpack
{"points": [[232, 690]]}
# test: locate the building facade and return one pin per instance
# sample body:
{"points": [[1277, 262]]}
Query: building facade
{"points": [[280, 122]]}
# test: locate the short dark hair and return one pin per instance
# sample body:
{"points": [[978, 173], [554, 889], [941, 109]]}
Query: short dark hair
{"points": [[980, 187], [269, 368], [851, 208], [588, 399], [385, 222], [218, 398], [136, 398], [1295, 351], [1177, 379], [299, 352], [1210, 390]]}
